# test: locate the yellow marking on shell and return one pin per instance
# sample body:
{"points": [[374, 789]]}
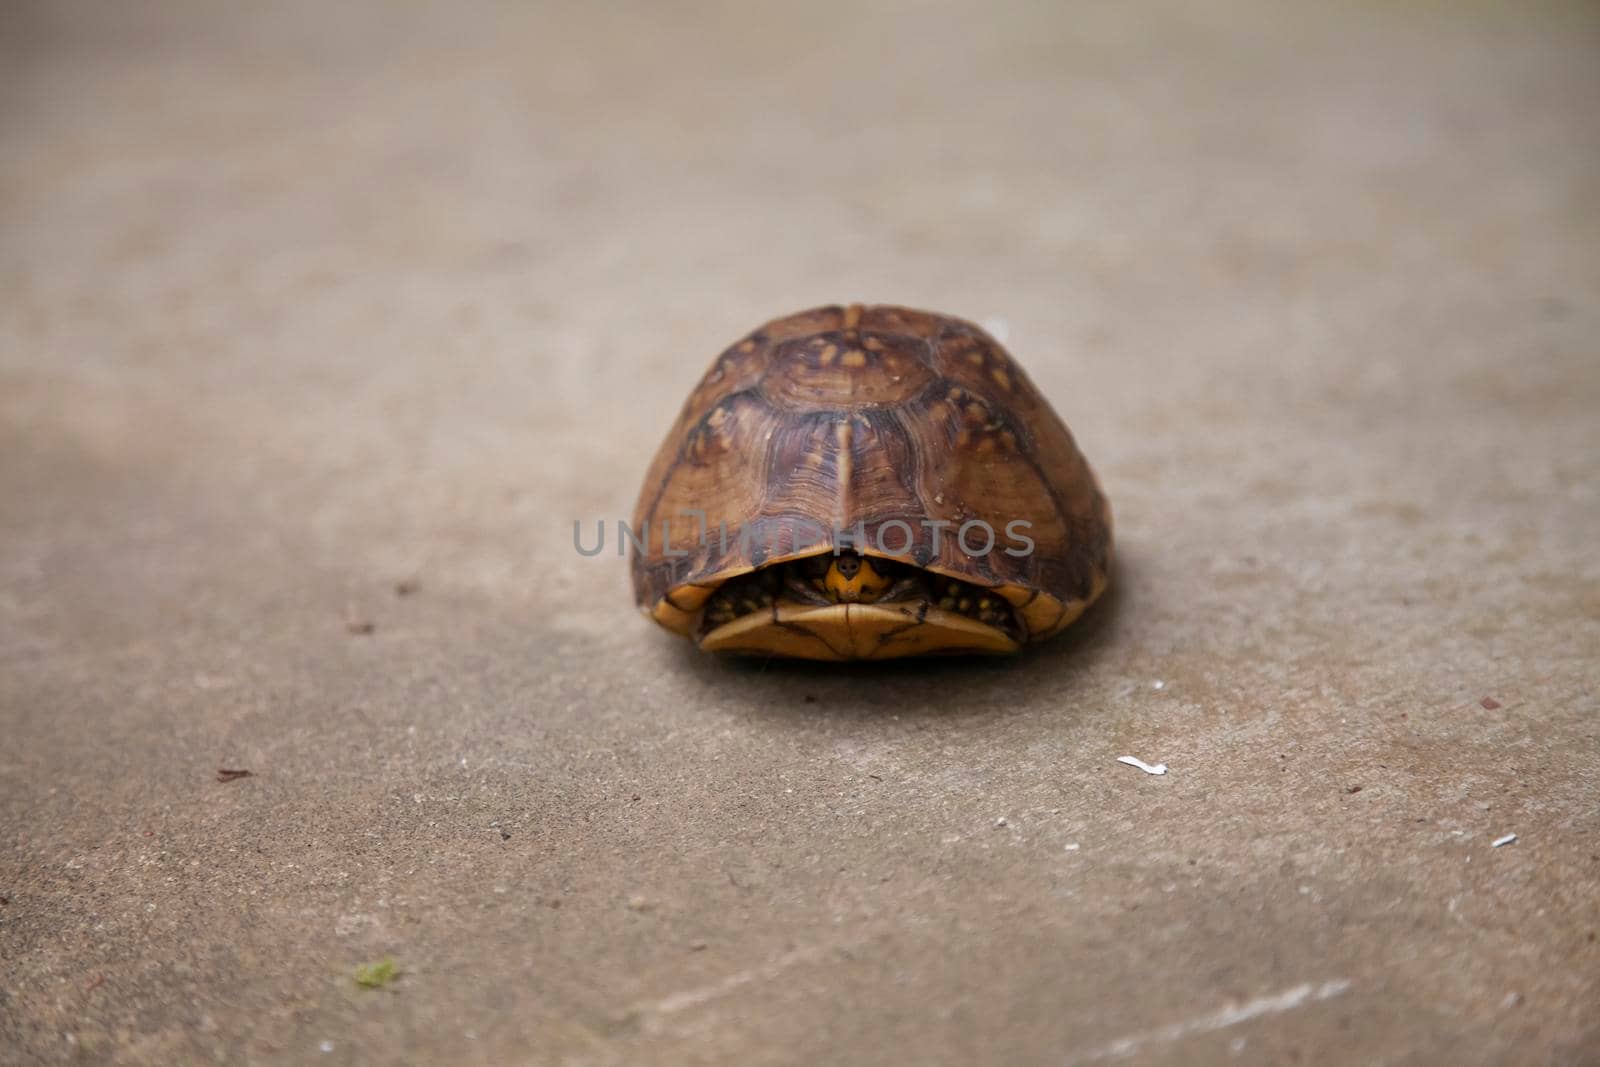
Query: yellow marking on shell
{"points": [[1073, 609], [747, 346], [797, 631], [975, 358], [1001, 378], [1043, 615], [853, 358], [852, 316], [856, 631], [844, 504], [873, 343], [825, 357], [885, 636], [672, 618]]}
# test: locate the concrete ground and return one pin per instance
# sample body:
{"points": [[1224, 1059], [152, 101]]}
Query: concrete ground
{"points": [[299, 303]]}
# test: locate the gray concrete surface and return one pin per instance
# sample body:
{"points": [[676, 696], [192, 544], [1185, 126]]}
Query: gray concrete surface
{"points": [[300, 302]]}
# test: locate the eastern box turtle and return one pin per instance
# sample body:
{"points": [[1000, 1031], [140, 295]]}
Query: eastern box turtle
{"points": [[864, 483]]}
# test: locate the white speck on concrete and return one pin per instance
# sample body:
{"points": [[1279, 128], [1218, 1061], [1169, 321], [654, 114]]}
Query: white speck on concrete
{"points": [[1001, 821], [1072, 846], [1288, 1000], [1506, 840], [326, 1046], [1158, 684], [1148, 768]]}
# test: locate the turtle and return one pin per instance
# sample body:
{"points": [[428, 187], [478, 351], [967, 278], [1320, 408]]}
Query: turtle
{"points": [[865, 482]]}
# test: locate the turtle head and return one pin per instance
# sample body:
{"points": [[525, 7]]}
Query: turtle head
{"points": [[851, 577]]}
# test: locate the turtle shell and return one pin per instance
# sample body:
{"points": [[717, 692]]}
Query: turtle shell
{"points": [[899, 434]]}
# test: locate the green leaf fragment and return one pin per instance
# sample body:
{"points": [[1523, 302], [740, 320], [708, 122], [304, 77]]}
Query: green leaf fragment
{"points": [[377, 975]]}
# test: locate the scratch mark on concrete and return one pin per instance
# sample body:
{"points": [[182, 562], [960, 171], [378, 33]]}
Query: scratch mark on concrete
{"points": [[655, 1011], [1287, 1000]]}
